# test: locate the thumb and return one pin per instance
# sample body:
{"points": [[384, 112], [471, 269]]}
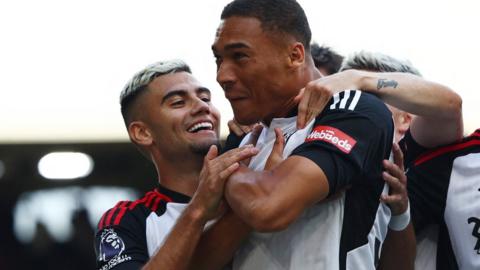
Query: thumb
{"points": [[298, 97], [279, 142], [256, 131], [276, 156]]}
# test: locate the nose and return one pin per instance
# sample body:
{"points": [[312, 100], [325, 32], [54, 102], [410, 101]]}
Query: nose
{"points": [[200, 106], [225, 76]]}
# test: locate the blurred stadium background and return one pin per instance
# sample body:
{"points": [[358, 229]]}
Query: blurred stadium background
{"points": [[63, 64]]}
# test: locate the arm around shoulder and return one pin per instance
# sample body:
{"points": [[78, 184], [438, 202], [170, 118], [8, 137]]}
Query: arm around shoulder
{"points": [[435, 106]]}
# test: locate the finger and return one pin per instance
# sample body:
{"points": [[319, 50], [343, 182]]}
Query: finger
{"points": [[398, 156], [298, 98], [276, 155], [233, 156], [212, 153], [311, 105], [256, 131], [311, 114], [235, 128], [229, 170], [254, 135], [279, 142], [391, 199], [303, 109], [393, 169], [395, 185]]}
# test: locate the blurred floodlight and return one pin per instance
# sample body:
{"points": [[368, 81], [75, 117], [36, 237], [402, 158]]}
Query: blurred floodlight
{"points": [[65, 165]]}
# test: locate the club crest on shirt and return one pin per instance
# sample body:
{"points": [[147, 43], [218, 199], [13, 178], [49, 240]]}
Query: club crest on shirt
{"points": [[111, 245], [333, 136], [476, 232]]}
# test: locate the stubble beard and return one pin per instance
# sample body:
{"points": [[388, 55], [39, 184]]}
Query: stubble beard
{"points": [[203, 147]]}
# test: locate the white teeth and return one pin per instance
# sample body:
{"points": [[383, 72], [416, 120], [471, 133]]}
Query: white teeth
{"points": [[200, 125]]}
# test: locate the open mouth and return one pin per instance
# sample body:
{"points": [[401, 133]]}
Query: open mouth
{"points": [[200, 127]]}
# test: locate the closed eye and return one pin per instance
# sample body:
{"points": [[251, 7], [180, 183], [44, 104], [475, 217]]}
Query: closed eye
{"points": [[177, 103], [239, 55]]}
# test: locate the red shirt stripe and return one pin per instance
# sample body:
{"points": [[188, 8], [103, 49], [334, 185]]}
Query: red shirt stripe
{"points": [[100, 224], [123, 208], [110, 215], [446, 149], [164, 197], [151, 200], [142, 200], [156, 203]]}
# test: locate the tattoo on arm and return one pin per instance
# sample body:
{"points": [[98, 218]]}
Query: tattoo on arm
{"points": [[382, 83]]}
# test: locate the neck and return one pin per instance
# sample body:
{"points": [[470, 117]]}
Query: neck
{"points": [[180, 176], [299, 80]]}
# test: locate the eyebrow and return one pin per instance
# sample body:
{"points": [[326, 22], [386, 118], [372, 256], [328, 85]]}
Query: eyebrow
{"points": [[173, 93], [237, 45], [202, 90], [182, 93]]}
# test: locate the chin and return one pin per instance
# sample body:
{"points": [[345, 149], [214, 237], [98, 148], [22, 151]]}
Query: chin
{"points": [[246, 119], [203, 147]]}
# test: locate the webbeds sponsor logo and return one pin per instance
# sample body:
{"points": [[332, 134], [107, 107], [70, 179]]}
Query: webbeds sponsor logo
{"points": [[334, 136]]}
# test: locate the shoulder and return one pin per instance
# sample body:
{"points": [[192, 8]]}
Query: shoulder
{"points": [[356, 100], [470, 144], [127, 212], [121, 233], [355, 104], [356, 111]]}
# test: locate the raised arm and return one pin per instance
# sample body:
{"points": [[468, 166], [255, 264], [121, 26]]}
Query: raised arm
{"points": [[178, 249], [436, 106], [399, 248]]}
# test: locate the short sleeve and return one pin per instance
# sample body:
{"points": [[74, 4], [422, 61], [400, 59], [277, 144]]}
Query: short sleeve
{"points": [[348, 142], [121, 246]]}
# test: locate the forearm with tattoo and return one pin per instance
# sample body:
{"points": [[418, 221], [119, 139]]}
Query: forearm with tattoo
{"points": [[383, 83]]}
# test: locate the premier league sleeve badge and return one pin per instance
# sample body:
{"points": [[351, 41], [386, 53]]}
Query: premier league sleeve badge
{"points": [[110, 249]]}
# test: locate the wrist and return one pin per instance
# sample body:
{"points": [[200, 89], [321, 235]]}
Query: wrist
{"points": [[401, 221], [367, 81], [196, 214]]}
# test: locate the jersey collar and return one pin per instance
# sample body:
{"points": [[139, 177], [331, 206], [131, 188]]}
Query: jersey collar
{"points": [[175, 196]]}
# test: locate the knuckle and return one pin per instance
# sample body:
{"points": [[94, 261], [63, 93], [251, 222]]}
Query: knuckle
{"points": [[310, 85]]}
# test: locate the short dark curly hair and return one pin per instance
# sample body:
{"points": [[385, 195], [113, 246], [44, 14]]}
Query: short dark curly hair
{"points": [[326, 58], [284, 16]]}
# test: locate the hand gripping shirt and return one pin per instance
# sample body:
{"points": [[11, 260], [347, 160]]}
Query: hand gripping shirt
{"points": [[444, 191], [348, 140], [131, 232]]}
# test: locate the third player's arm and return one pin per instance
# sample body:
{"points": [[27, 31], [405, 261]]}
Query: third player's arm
{"points": [[436, 106]]}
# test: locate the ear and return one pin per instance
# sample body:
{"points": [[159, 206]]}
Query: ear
{"points": [[404, 121], [297, 54], [139, 133]]}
